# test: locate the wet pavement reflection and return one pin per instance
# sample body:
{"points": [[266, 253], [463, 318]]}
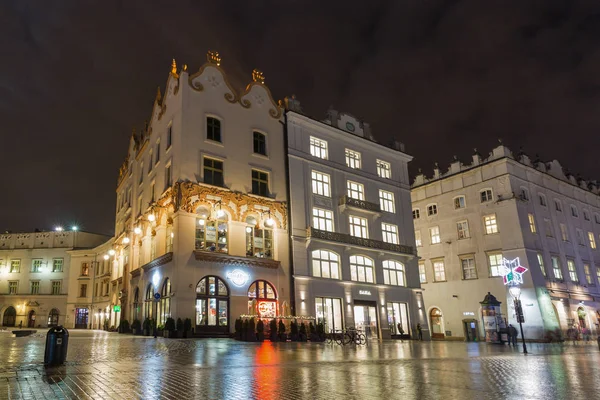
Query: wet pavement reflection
{"points": [[108, 365]]}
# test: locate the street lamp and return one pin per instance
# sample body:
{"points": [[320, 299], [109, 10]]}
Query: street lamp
{"points": [[515, 292]]}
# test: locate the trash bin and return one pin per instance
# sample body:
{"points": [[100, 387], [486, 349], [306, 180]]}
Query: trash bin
{"points": [[57, 342]]}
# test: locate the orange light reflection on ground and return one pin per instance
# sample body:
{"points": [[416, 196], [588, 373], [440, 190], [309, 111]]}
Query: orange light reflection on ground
{"points": [[266, 371]]}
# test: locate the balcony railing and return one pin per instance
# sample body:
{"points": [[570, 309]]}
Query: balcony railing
{"points": [[370, 243], [365, 205]]}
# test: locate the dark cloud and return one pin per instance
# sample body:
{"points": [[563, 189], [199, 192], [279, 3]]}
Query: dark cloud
{"points": [[441, 76]]}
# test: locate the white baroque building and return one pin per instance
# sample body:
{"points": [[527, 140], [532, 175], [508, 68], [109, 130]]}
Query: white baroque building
{"points": [[352, 237], [37, 271], [505, 206]]}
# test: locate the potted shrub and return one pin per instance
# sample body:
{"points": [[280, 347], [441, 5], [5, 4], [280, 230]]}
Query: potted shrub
{"points": [[281, 331], [136, 327], [238, 328], [124, 326], [169, 328], [160, 329], [294, 331], [187, 327], [179, 327], [105, 324], [147, 327], [321, 331], [312, 332], [251, 334], [260, 331], [302, 335], [273, 330], [245, 330]]}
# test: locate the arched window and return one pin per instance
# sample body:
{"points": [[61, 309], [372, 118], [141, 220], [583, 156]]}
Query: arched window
{"points": [[437, 328], [259, 241], [10, 317], [263, 294], [136, 304], [53, 317], [212, 304], [164, 305], [361, 269], [148, 301], [326, 264], [211, 232], [393, 273], [169, 238]]}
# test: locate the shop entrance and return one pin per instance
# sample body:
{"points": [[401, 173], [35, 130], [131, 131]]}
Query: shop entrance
{"points": [[437, 327], [10, 317], [81, 318], [31, 319], [212, 305], [470, 327], [365, 318]]}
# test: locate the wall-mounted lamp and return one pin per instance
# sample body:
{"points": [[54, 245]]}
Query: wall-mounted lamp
{"points": [[269, 221], [151, 217], [106, 257], [137, 230], [220, 212], [59, 229], [111, 252], [126, 240]]}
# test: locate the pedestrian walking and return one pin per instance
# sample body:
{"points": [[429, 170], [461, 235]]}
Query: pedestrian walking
{"points": [[21, 325], [420, 331], [512, 335]]}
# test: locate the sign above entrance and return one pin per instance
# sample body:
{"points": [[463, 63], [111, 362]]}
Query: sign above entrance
{"points": [[365, 292], [238, 277], [469, 313], [512, 271]]}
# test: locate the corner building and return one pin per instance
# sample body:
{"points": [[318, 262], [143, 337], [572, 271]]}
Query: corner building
{"points": [[470, 218], [354, 259], [201, 225]]}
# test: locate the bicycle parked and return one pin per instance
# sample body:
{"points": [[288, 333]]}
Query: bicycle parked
{"points": [[344, 337]]}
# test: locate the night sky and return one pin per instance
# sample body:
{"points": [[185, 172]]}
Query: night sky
{"points": [[443, 77]]}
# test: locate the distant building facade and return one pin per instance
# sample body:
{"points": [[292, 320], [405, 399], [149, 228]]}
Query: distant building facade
{"points": [[354, 259], [507, 206]]}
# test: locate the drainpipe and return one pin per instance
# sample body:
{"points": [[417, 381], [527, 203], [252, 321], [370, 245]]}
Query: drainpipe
{"points": [[289, 222]]}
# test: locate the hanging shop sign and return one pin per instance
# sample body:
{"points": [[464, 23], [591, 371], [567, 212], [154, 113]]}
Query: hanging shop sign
{"points": [[512, 271]]}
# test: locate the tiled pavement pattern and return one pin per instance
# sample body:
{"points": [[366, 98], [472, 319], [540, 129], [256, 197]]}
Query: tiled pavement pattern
{"points": [[112, 366]]}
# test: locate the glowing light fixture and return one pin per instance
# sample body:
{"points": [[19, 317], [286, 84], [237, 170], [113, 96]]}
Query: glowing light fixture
{"points": [[111, 252], [58, 229], [126, 240], [201, 222], [220, 213], [137, 230], [249, 229], [270, 221], [151, 217], [106, 257], [74, 228]]}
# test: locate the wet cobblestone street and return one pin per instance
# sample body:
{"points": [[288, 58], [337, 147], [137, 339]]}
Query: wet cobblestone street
{"points": [[111, 366]]}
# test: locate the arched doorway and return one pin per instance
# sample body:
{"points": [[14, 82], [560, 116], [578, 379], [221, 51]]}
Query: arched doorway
{"points": [[437, 326], [31, 319], [164, 305], [136, 304], [10, 317], [53, 317], [212, 306], [263, 294], [148, 300]]}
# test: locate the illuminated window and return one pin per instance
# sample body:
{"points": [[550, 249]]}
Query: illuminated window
{"points": [[418, 241], [467, 264], [486, 195], [318, 148], [321, 183], [572, 270], [325, 264], [384, 169], [434, 235], [85, 269], [541, 263], [13, 287], [358, 227], [462, 228], [361, 269], [459, 202], [322, 219], [494, 261], [163, 310], [35, 287], [259, 242], [439, 271], [393, 273], [57, 264], [263, 294], [389, 233], [588, 274], [213, 129], [352, 159], [386, 201], [531, 219], [36, 265], [212, 234], [556, 269], [490, 223], [212, 303], [329, 312], [355, 190], [422, 274], [15, 266], [592, 240]]}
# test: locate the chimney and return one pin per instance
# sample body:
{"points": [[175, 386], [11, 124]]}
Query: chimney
{"points": [[476, 157]]}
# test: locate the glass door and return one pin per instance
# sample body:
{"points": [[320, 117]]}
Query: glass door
{"points": [[365, 319]]}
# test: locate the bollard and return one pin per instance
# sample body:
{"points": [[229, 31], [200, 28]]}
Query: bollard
{"points": [[57, 343]]}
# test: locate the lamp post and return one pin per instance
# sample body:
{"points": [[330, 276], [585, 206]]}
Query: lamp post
{"points": [[515, 292]]}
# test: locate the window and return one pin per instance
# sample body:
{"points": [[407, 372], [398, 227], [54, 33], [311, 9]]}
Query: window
{"points": [[260, 143], [168, 176], [572, 271], [422, 274], [13, 287], [212, 235], [326, 264], [169, 239], [524, 194], [152, 192], [491, 226], [140, 204], [588, 274], [393, 273], [259, 242], [352, 159], [169, 136], [486, 195], [260, 183], [542, 198], [320, 183], [318, 148], [389, 233], [463, 229], [83, 290], [384, 169], [418, 241], [56, 287], [213, 171], [541, 264], [36, 265], [85, 269], [150, 161], [141, 172], [157, 158], [386, 201], [15, 266], [557, 205], [355, 190], [322, 219], [329, 312], [467, 264], [434, 235], [548, 225], [495, 261], [361, 269], [556, 268], [35, 287], [57, 265], [416, 213], [598, 273], [432, 209], [586, 215], [358, 227], [531, 219], [213, 129], [459, 202], [580, 237], [439, 271], [592, 240], [597, 218], [574, 212]]}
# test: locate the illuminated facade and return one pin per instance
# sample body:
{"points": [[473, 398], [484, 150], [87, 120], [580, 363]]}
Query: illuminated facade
{"points": [[476, 224], [201, 219], [354, 259]]}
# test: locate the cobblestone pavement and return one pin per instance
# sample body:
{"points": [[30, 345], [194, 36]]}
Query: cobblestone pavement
{"points": [[111, 366]]}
